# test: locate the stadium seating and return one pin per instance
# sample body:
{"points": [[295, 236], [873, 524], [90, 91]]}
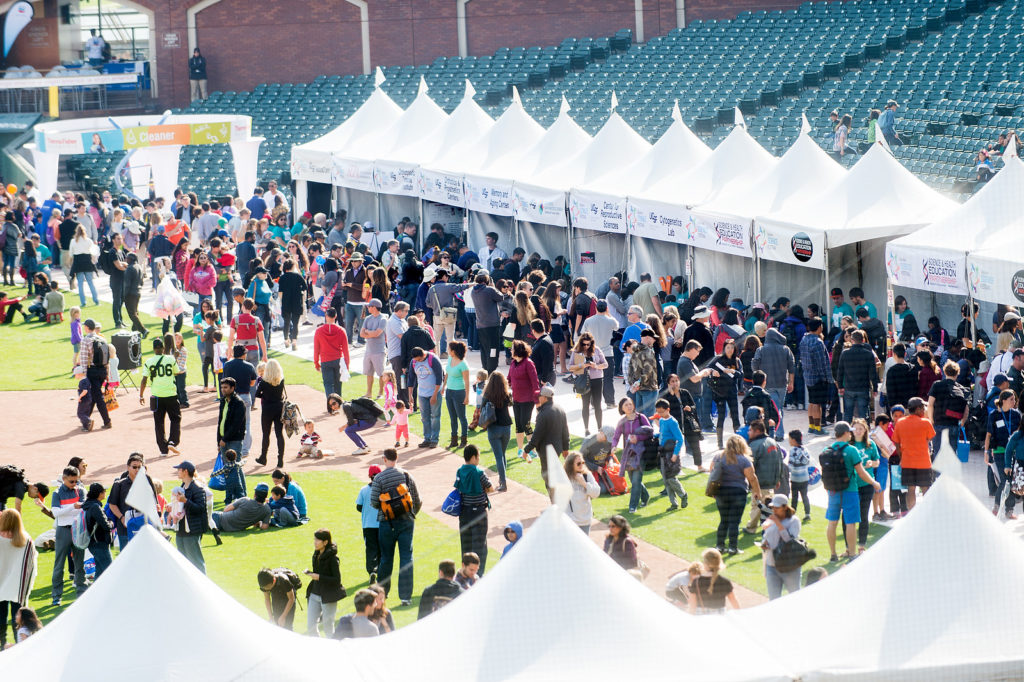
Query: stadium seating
{"points": [[954, 67]]}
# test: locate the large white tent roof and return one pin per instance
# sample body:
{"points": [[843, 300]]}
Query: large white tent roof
{"points": [[312, 160], [934, 257], [601, 204], [877, 198], [613, 146], [586, 618], [927, 602], [153, 616]]}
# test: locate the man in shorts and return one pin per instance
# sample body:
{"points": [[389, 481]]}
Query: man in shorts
{"points": [[817, 373], [912, 436], [846, 502], [375, 355]]}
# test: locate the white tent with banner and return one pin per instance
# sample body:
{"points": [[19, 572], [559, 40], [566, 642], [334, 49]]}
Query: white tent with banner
{"points": [[934, 599], [804, 170], [312, 161], [662, 210], [600, 206], [168, 622], [591, 618], [512, 133], [843, 229], [539, 197], [489, 190], [995, 270], [935, 258]]}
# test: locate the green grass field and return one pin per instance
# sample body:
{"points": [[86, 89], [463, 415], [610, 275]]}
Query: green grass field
{"points": [[685, 533]]}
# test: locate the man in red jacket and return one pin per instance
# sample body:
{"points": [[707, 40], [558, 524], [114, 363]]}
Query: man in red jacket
{"points": [[330, 345]]}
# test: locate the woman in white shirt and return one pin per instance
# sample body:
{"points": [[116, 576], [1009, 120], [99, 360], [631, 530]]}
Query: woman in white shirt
{"points": [[584, 489], [17, 569], [83, 251]]}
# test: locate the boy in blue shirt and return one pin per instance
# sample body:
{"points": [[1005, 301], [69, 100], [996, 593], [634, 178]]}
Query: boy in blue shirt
{"points": [[670, 466], [371, 526], [283, 509]]}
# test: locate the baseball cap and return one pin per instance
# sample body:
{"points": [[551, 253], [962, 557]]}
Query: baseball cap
{"points": [[836, 291], [375, 302], [262, 486], [759, 306], [840, 428], [187, 466], [779, 500], [374, 470], [307, 214], [547, 390], [919, 340], [1000, 379], [89, 323]]}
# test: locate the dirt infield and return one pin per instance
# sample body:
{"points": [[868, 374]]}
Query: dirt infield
{"points": [[48, 434]]}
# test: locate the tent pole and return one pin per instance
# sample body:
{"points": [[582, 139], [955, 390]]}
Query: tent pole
{"points": [[890, 303], [689, 267], [419, 231], [828, 288], [970, 312], [757, 266], [379, 221], [572, 245]]}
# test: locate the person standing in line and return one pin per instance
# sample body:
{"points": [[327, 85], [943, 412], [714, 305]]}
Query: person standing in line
{"points": [[522, 377], [244, 376], [189, 531], [394, 494], [817, 373], [394, 330], [372, 332], [159, 372], [776, 360], [847, 501], [488, 322], [912, 435], [456, 382], [472, 482], [602, 327], [197, 78]]}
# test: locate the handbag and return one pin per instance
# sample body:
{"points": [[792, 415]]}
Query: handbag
{"points": [[581, 383], [792, 554], [1017, 478], [217, 482], [446, 314], [110, 399], [714, 478], [963, 446], [452, 505], [487, 415]]}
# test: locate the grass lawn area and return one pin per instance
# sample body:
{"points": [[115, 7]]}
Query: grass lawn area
{"points": [[686, 533], [233, 565]]}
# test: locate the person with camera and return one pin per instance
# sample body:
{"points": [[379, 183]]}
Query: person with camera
{"points": [[782, 526]]}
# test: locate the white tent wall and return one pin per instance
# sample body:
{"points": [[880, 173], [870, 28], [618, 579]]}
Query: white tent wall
{"points": [[549, 241], [924, 304], [394, 207], [361, 205], [716, 269], [609, 249], [482, 223], [660, 258]]}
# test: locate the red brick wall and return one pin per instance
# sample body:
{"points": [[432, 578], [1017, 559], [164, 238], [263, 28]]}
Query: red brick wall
{"points": [[506, 23]]}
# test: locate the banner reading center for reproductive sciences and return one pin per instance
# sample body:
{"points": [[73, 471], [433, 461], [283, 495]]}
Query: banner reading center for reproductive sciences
{"points": [[939, 271], [594, 211], [789, 245]]}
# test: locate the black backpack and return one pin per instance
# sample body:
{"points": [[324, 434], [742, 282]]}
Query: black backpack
{"points": [[788, 330], [289, 575], [100, 353], [834, 476], [10, 475]]}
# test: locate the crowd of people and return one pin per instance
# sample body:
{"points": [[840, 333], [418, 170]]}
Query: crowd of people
{"points": [[669, 361]]}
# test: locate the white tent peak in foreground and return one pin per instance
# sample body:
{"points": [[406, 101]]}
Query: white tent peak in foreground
{"points": [[948, 240], [173, 623], [924, 603], [530, 623]]}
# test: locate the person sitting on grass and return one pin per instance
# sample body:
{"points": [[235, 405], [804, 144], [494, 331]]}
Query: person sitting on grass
{"points": [[441, 592], [358, 624], [283, 479], [282, 506]]}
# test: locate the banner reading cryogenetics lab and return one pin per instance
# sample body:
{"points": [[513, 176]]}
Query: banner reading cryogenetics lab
{"points": [[488, 195], [444, 188], [539, 205], [595, 211], [395, 178], [789, 245], [352, 173], [655, 220], [939, 271]]}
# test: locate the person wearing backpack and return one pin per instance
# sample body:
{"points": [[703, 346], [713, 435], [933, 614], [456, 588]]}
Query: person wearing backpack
{"points": [[279, 587], [98, 527], [189, 531], [948, 409], [65, 506], [94, 355], [394, 494], [840, 468], [472, 483]]}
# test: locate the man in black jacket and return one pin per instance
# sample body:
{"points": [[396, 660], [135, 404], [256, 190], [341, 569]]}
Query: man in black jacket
{"points": [[132, 290], [551, 428], [414, 337], [197, 75], [189, 531], [441, 592], [230, 418], [857, 377], [543, 353], [900, 380]]}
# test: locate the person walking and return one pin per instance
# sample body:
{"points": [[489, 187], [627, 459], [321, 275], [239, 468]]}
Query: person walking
{"points": [[372, 332], [782, 526], [94, 355], [633, 429], [456, 397], [733, 472], [488, 322], [270, 391], [324, 590], [725, 372], [117, 500], [588, 358], [499, 395], [330, 348], [292, 286], [552, 429], [132, 292], [158, 372], [82, 267], [393, 492], [189, 531], [584, 489], [522, 377], [473, 484]]}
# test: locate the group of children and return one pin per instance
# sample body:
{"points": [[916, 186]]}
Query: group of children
{"points": [[46, 298]]}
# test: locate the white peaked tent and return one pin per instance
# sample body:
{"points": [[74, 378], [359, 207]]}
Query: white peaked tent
{"points": [[805, 170], [995, 269], [935, 599], [311, 161], [585, 619], [876, 200], [165, 621]]}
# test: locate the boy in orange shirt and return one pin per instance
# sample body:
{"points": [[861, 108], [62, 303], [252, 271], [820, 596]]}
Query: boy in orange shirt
{"points": [[912, 435]]}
